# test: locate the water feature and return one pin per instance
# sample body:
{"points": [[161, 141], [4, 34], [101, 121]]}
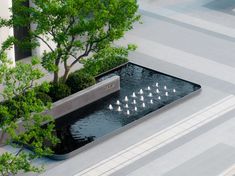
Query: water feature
{"points": [[142, 92], [111, 107], [167, 94], [143, 105], [142, 98], [119, 109], [134, 102], [126, 98], [118, 102], [133, 95], [158, 91], [135, 109], [150, 95]]}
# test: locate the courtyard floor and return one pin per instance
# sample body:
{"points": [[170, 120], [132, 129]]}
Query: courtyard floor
{"points": [[193, 40]]}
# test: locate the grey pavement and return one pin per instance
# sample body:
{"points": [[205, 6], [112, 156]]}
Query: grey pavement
{"points": [[199, 152], [202, 52]]}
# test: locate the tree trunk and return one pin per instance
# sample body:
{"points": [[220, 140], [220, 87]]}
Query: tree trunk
{"points": [[66, 74], [2, 138], [56, 73], [56, 77]]}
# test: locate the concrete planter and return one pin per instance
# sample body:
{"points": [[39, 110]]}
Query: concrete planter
{"points": [[78, 100], [84, 97]]}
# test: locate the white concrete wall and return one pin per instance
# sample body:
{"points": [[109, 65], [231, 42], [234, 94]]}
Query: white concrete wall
{"points": [[43, 47], [5, 32]]}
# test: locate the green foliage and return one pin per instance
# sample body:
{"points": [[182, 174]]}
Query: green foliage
{"points": [[45, 98], [59, 91], [77, 28], [44, 87], [19, 78], [21, 103], [107, 59], [80, 80], [14, 163]]}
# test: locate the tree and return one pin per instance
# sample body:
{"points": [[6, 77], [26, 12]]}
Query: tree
{"points": [[20, 103], [77, 28]]}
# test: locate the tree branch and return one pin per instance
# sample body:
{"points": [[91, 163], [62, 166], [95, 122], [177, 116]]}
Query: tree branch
{"points": [[44, 41], [86, 53]]}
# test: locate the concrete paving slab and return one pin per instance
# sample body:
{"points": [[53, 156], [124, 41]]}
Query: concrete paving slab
{"points": [[190, 40], [209, 163], [185, 149]]}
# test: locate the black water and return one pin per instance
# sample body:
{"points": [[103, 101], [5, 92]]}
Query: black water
{"points": [[96, 120]]}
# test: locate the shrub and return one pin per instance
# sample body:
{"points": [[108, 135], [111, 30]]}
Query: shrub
{"points": [[59, 91], [99, 66], [44, 87], [80, 80], [14, 106], [45, 98]]}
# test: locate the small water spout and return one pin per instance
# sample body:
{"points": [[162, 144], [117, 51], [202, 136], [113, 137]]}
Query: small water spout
{"points": [[143, 105], [157, 84], [134, 102], [126, 106], [158, 91], [135, 109], [142, 98], [126, 98], [119, 109], [128, 112], [150, 95], [159, 98], [148, 88], [118, 102], [165, 87], [151, 101], [174, 90], [111, 107], [141, 91], [167, 94], [133, 95]]}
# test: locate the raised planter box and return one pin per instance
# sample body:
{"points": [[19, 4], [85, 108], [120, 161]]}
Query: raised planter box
{"points": [[84, 97], [78, 100]]}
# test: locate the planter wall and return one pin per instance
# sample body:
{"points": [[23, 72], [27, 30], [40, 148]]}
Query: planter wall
{"points": [[84, 97], [78, 100]]}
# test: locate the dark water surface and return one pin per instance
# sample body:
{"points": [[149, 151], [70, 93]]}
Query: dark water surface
{"points": [[86, 124]]}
